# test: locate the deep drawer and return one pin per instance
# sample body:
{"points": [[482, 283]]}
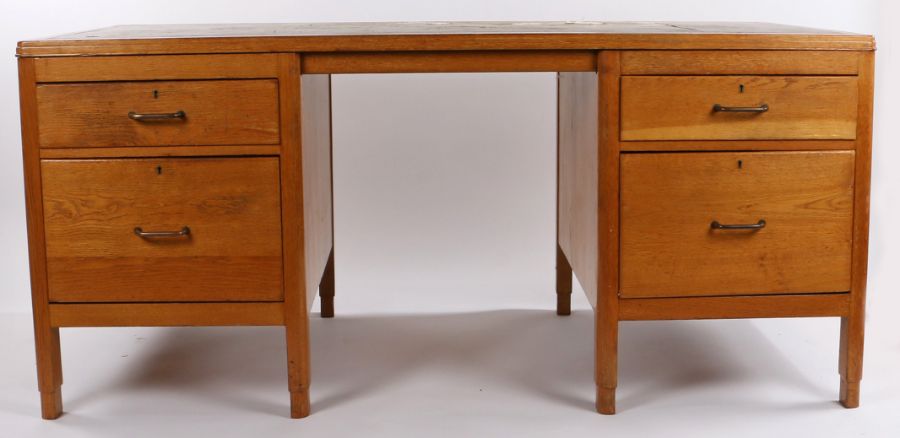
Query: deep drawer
{"points": [[739, 107], [158, 113], [223, 217], [797, 209]]}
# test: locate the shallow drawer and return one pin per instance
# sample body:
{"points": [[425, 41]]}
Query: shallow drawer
{"points": [[738, 107], [165, 113], [677, 210], [222, 216]]}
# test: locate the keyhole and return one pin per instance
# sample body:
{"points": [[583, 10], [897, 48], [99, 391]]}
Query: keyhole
{"points": [[741, 88], [740, 164], [156, 93], [159, 170]]}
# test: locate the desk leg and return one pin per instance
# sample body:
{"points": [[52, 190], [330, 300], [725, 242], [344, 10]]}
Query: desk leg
{"points": [[326, 288], [297, 337], [46, 337], [853, 325], [607, 339], [851, 360], [607, 308], [49, 366], [563, 283]]}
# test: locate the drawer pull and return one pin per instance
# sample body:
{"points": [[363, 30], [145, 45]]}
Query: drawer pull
{"points": [[145, 117], [715, 225], [161, 234], [740, 109]]}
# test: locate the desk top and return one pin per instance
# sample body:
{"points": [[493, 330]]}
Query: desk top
{"points": [[439, 36]]}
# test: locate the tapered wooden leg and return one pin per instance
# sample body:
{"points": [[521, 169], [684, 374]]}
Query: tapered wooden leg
{"points": [[606, 400], [298, 368], [300, 404], [607, 333], [563, 283], [49, 368], [851, 357], [326, 288]]}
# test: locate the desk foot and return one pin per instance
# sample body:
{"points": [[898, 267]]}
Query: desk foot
{"points": [[326, 288], [563, 283], [327, 307], [849, 394], [300, 404], [51, 404], [606, 400]]}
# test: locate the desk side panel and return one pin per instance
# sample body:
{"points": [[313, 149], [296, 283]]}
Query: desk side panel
{"points": [[315, 126], [578, 177]]}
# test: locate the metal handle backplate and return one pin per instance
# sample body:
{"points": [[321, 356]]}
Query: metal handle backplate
{"points": [[715, 225], [156, 117], [184, 232], [740, 109]]}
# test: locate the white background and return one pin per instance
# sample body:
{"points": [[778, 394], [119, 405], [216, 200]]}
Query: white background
{"points": [[445, 268]]}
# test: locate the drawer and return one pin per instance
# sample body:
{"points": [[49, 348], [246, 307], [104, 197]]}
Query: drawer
{"points": [[684, 107], [228, 209], [109, 114], [802, 203]]}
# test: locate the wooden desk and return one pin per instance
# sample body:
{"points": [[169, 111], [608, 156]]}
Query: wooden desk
{"points": [[181, 175]]}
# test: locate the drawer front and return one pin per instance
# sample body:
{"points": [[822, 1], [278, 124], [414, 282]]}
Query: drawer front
{"points": [[682, 107], [231, 207], [669, 202], [222, 112]]}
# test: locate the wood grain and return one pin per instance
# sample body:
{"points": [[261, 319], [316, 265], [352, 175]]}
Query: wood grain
{"points": [[46, 337], [449, 62], [669, 201], [850, 364], [577, 176], [770, 306], [161, 151], [430, 36], [165, 314], [757, 62], [737, 145], [296, 311], [155, 68], [680, 107], [93, 206], [315, 92], [606, 311], [218, 113]]}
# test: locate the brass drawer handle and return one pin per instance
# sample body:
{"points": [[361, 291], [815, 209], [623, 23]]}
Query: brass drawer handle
{"points": [[715, 225], [161, 234], [740, 109], [147, 117]]}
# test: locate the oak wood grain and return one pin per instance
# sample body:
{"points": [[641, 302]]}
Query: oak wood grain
{"points": [[315, 92], [577, 177], [46, 337], [736, 145], [680, 107], [850, 364], [231, 205], [155, 68], [757, 62], [606, 311], [769, 306], [226, 112], [430, 36], [449, 62], [161, 151], [296, 310], [165, 314], [670, 200]]}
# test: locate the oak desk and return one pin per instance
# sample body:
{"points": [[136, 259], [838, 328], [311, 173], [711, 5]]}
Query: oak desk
{"points": [[181, 175]]}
